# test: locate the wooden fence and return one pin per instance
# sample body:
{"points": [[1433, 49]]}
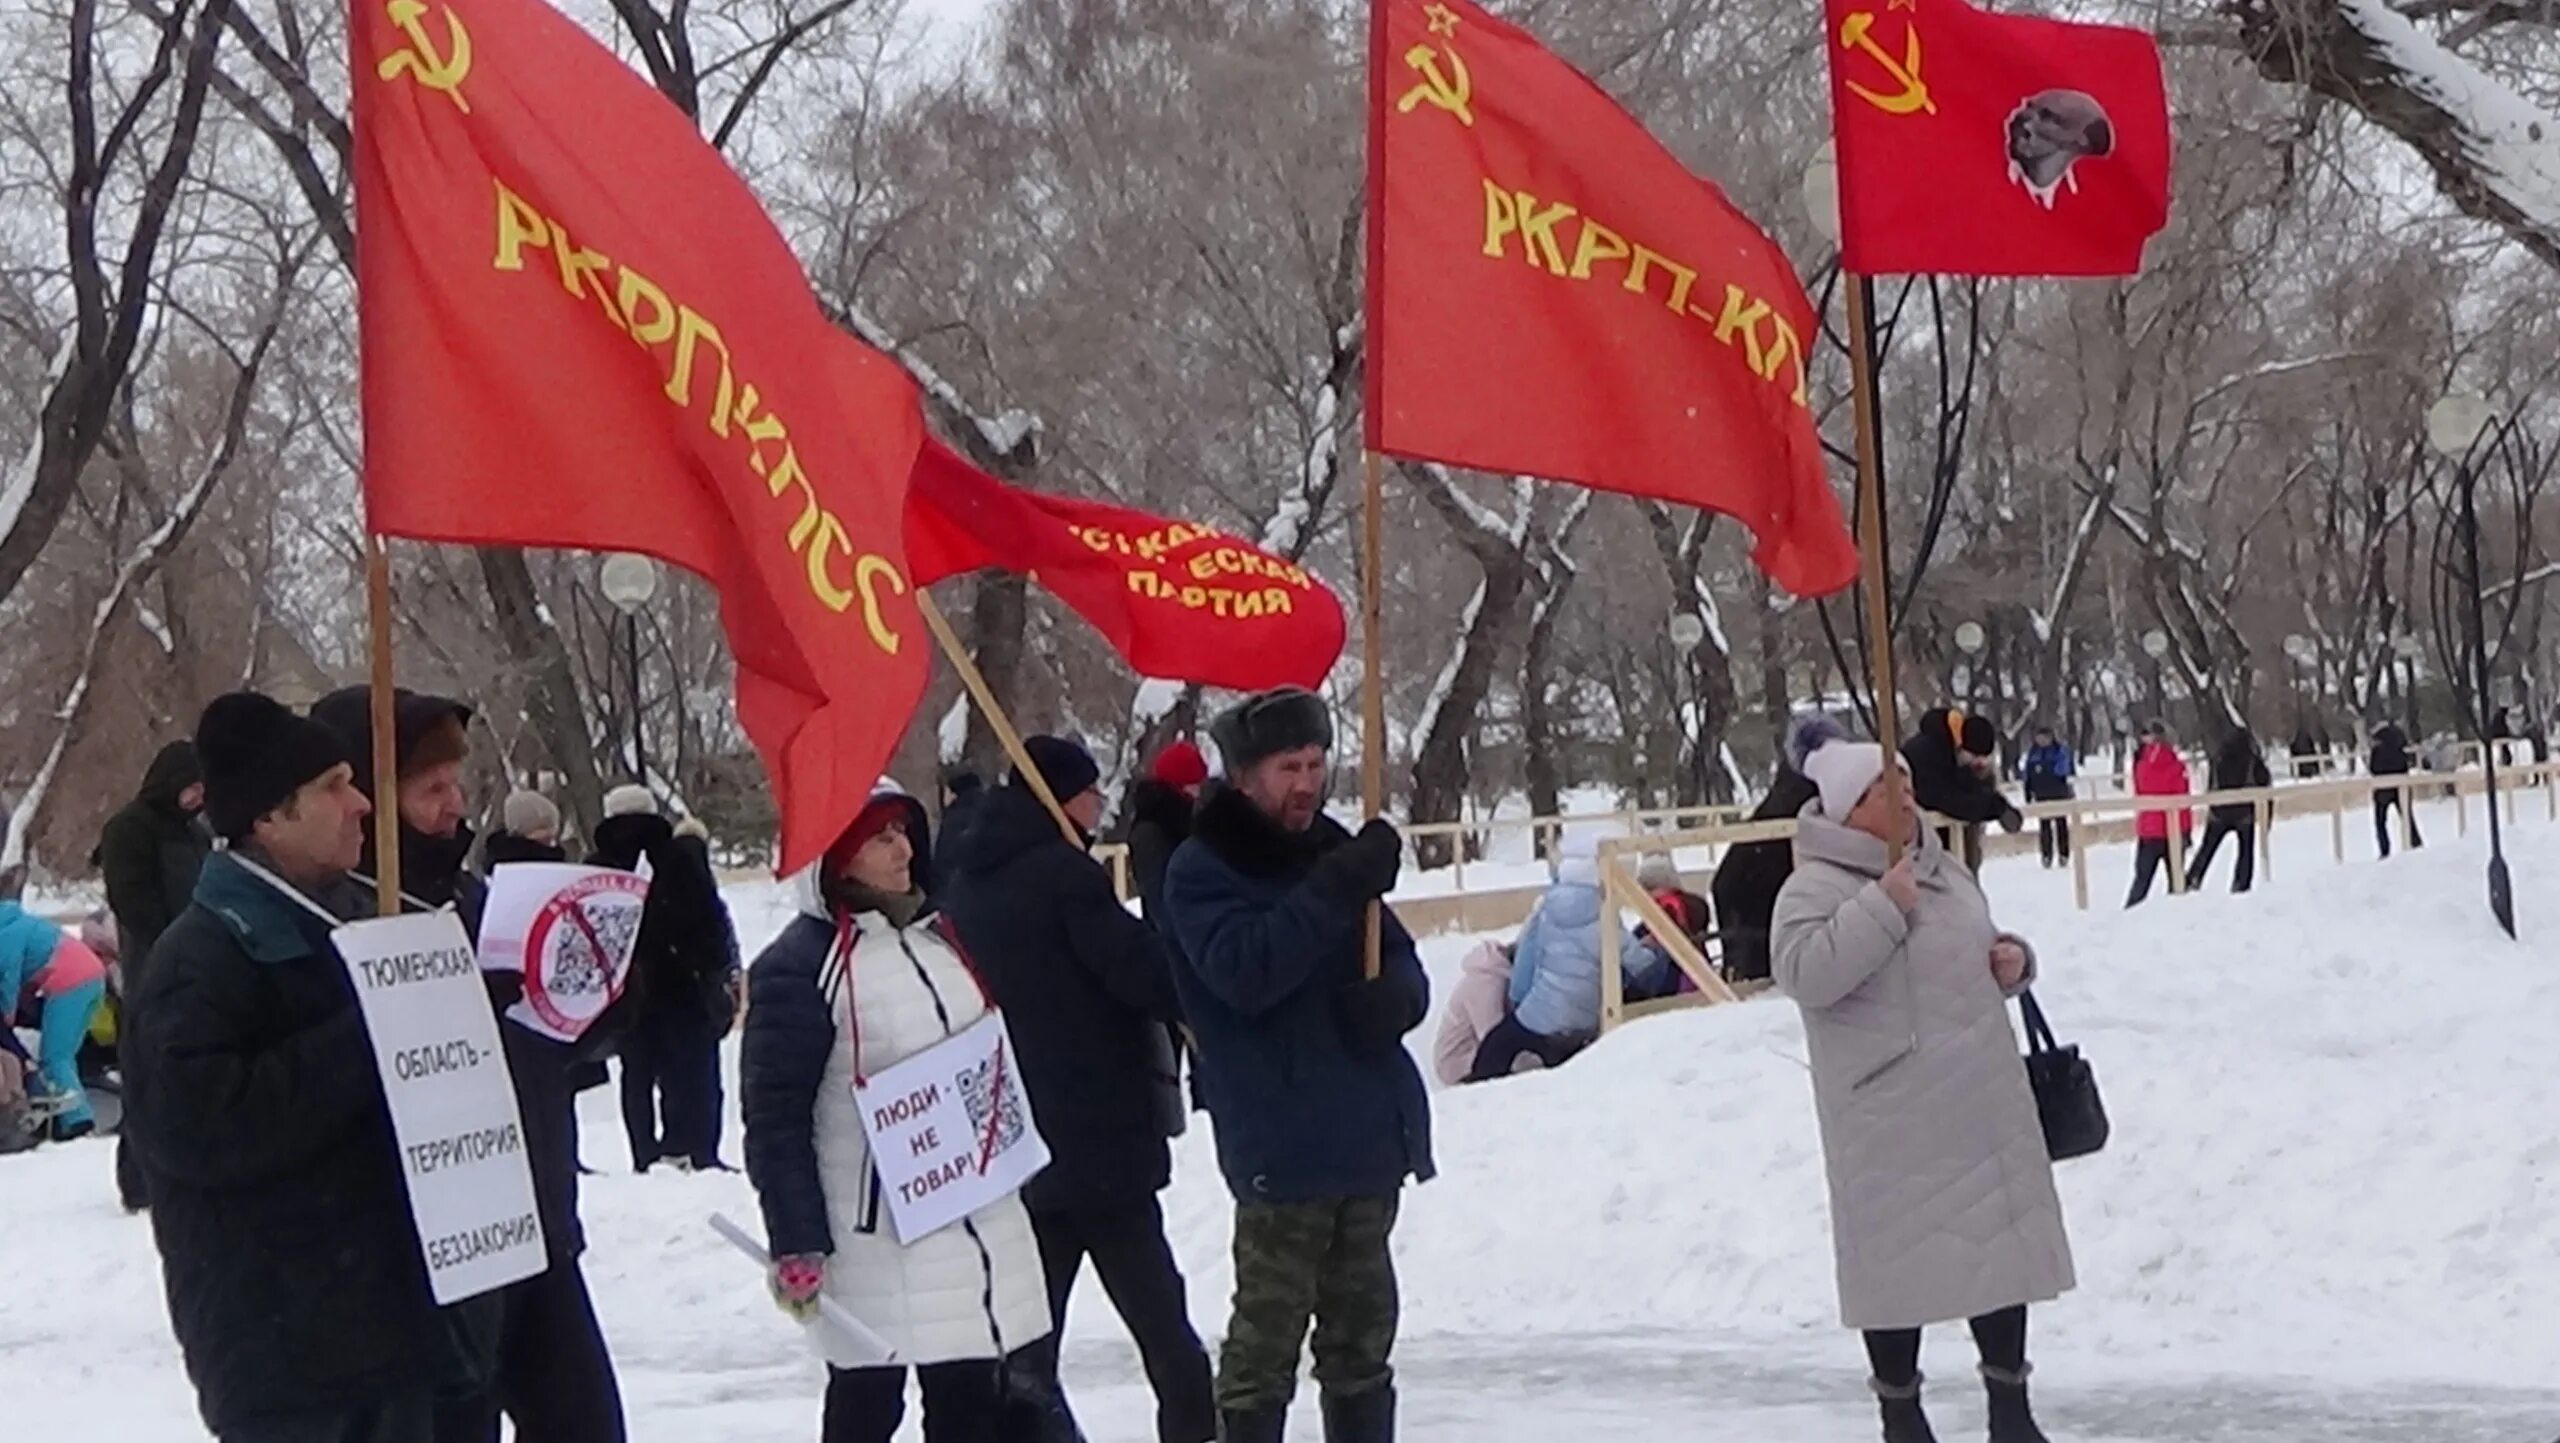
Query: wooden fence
{"points": [[2091, 820]]}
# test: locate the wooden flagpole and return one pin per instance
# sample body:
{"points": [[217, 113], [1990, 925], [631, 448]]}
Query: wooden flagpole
{"points": [[1373, 688], [993, 711], [386, 741], [1873, 569]]}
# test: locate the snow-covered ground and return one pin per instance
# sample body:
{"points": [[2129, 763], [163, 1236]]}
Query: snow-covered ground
{"points": [[2332, 1210]]}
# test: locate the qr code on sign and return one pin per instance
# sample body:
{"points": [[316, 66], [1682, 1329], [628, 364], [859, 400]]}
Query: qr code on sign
{"points": [[995, 1111]]}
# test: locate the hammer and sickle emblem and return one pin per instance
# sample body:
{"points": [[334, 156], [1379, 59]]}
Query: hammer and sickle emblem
{"points": [[1452, 90], [441, 71], [1857, 32]]}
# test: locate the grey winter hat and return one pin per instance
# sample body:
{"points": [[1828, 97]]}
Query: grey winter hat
{"points": [[530, 814], [1269, 723]]}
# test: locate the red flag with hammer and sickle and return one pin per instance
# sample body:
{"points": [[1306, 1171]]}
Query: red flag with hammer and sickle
{"points": [[581, 330], [1552, 293], [1177, 601], [1994, 145]]}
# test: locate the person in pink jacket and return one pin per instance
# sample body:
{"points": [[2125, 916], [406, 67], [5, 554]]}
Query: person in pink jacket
{"points": [[2158, 771], [1477, 1005]]}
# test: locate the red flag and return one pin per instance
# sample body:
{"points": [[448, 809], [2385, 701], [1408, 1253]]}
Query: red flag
{"points": [[1994, 145], [1177, 601], [1551, 292], [581, 330]]}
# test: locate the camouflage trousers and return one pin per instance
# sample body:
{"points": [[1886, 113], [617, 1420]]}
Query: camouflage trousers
{"points": [[1326, 1261]]}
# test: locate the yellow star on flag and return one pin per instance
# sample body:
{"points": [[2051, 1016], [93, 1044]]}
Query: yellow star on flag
{"points": [[1444, 21]]}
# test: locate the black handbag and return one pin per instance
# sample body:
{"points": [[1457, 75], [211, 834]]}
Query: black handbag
{"points": [[2067, 1100]]}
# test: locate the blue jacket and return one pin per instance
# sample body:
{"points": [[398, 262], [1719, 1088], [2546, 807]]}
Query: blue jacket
{"points": [[2049, 772], [1555, 970], [26, 945], [1266, 947]]}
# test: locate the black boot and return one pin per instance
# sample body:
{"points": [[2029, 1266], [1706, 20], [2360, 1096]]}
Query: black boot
{"points": [[1900, 1404], [1261, 1425], [2011, 1420], [1361, 1417]]}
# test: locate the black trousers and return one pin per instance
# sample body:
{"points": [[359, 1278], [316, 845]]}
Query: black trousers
{"points": [[2150, 857], [963, 1403], [410, 1418], [2000, 1337], [131, 1188], [2053, 839], [671, 1089], [1500, 1051], [2384, 804], [555, 1380], [2244, 869], [1127, 1246]]}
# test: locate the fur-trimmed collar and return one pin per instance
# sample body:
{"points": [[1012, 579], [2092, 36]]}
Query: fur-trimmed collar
{"points": [[1230, 825]]}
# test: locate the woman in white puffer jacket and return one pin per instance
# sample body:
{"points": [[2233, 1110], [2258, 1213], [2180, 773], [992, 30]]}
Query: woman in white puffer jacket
{"points": [[867, 960]]}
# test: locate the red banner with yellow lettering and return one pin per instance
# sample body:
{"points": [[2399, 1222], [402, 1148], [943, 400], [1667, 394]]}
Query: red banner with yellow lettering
{"points": [[1552, 293], [1177, 601], [581, 330]]}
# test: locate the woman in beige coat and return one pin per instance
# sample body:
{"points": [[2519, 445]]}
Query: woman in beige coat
{"points": [[1942, 1196]]}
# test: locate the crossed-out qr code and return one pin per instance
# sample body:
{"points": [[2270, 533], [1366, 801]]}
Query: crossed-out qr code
{"points": [[995, 1112], [577, 968]]}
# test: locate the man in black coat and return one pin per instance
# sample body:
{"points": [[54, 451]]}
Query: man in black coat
{"points": [[151, 852], [550, 1371], [1087, 991], [1953, 773], [2238, 766], [2391, 758], [683, 964], [295, 1283]]}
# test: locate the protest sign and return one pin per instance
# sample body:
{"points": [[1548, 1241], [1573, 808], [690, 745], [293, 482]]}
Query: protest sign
{"points": [[570, 930], [951, 1129], [452, 1103]]}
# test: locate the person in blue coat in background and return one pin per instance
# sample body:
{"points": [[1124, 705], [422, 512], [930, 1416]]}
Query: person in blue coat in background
{"points": [[65, 984], [1555, 971], [1320, 1112], [2050, 769]]}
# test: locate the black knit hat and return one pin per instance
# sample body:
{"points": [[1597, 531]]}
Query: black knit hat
{"points": [[256, 754], [1068, 768], [1268, 723]]}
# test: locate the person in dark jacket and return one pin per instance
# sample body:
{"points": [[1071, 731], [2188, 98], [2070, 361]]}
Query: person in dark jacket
{"points": [[1320, 1113], [1088, 992], [1160, 808], [2050, 768], [2391, 758], [962, 791], [2238, 766], [295, 1284], [1747, 881], [682, 967], [2306, 755], [550, 1371], [151, 852], [1954, 774], [528, 831]]}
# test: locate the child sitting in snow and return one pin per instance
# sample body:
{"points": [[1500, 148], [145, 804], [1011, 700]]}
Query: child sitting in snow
{"points": [[56, 976]]}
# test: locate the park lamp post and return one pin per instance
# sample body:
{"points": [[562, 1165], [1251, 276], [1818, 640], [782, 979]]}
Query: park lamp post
{"points": [[2155, 644], [2298, 649], [2456, 427], [630, 582], [1688, 632]]}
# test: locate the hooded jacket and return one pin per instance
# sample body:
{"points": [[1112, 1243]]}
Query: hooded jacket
{"points": [[151, 851], [1942, 1197], [1555, 968], [839, 994], [2160, 772]]}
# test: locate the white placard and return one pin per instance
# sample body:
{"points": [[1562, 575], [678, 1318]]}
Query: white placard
{"points": [[453, 1105], [951, 1129], [570, 931]]}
